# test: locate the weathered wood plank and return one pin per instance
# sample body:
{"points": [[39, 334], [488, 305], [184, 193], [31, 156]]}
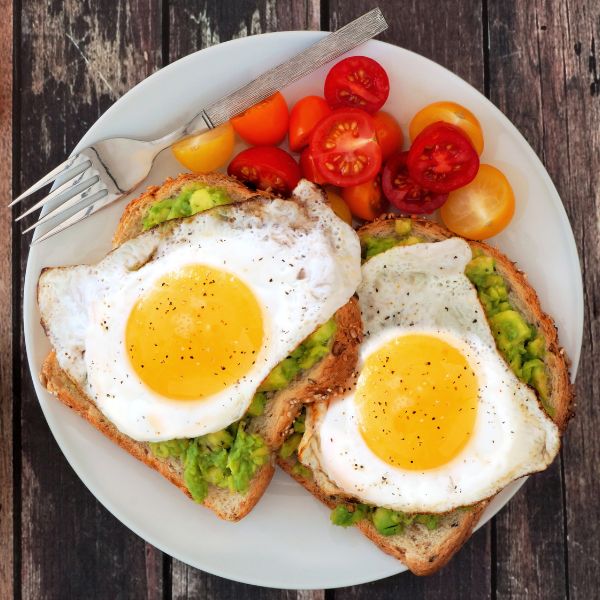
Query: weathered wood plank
{"points": [[202, 23], [75, 59], [570, 66], [192, 26], [527, 81], [451, 33], [6, 333]]}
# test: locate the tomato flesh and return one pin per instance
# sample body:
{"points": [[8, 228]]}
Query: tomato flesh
{"points": [[265, 123], [344, 148], [365, 200], [309, 169], [266, 168], [357, 82], [389, 134], [481, 209], [442, 158], [206, 152], [304, 117], [403, 192]]}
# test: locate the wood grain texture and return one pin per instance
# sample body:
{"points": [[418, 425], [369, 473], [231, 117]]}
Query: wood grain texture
{"points": [[6, 332], [75, 59], [570, 63], [527, 52], [450, 33]]}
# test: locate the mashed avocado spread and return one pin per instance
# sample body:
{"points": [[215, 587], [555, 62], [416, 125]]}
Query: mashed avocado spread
{"points": [[193, 198], [231, 457]]}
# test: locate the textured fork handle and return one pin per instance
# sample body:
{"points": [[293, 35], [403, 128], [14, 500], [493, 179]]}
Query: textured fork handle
{"points": [[325, 50]]}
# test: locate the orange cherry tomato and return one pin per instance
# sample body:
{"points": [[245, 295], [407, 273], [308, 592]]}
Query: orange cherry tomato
{"points": [[206, 152], [338, 206], [309, 169], [482, 208], [306, 113], [389, 134], [265, 123], [452, 113], [365, 200]]}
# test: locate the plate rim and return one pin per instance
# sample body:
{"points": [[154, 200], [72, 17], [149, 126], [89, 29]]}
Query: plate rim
{"points": [[88, 137]]}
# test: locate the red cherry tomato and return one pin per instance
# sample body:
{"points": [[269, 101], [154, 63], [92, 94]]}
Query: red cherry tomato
{"points": [[404, 193], [344, 148], [265, 123], [389, 134], [305, 115], [309, 169], [365, 200], [267, 168], [442, 158], [357, 82]]}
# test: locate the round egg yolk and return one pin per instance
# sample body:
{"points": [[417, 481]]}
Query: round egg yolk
{"points": [[417, 402], [195, 333]]}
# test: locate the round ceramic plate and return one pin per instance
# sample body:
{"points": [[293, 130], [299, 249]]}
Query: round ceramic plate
{"points": [[287, 541]]}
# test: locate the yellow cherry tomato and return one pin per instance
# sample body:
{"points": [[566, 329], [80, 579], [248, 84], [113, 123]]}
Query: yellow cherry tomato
{"points": [[482, 208], [207, 151], [448, 112], [338, 206]]}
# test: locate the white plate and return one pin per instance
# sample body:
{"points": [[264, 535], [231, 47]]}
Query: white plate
{"points": [[287, 541]]}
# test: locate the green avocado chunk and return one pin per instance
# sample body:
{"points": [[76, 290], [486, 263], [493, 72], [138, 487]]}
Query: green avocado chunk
{"points": [[305, 356], [228, 458], [518, 341], [193, 198], [373, 245], [347, 515]]}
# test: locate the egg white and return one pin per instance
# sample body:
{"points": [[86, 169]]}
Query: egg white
{"points": [[423, 289], [289, 257]]}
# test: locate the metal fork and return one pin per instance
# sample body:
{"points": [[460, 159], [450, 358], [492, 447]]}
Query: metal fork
{"points": [[108, 170]]}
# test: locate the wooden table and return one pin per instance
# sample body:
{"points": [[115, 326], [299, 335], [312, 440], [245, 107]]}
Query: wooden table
{"points": [[535, 59]]}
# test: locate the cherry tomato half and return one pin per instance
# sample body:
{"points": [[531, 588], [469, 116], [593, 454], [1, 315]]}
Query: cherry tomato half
{"points": [[305, 115], [344, 148], [449, 112], [389, 134], [265, 123], [403, 192], [482, 208], [309, 169], [442, 158], [267, 168], [357, 82], [206, 152], [365, 200]]}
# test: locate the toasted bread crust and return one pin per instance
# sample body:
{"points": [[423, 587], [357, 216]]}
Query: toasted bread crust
{"points": [[227, 505], [421, 552], [322, 380]]}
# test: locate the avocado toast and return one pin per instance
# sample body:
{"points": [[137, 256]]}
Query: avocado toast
{"points": [[227, 470], [525, 337]]}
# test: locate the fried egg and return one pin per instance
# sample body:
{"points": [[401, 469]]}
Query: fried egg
{"points": [[437, 419], [172, 332]]}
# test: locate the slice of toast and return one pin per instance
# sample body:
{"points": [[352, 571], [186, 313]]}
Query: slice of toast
{"points": [[325, 379], [425, 551]]}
